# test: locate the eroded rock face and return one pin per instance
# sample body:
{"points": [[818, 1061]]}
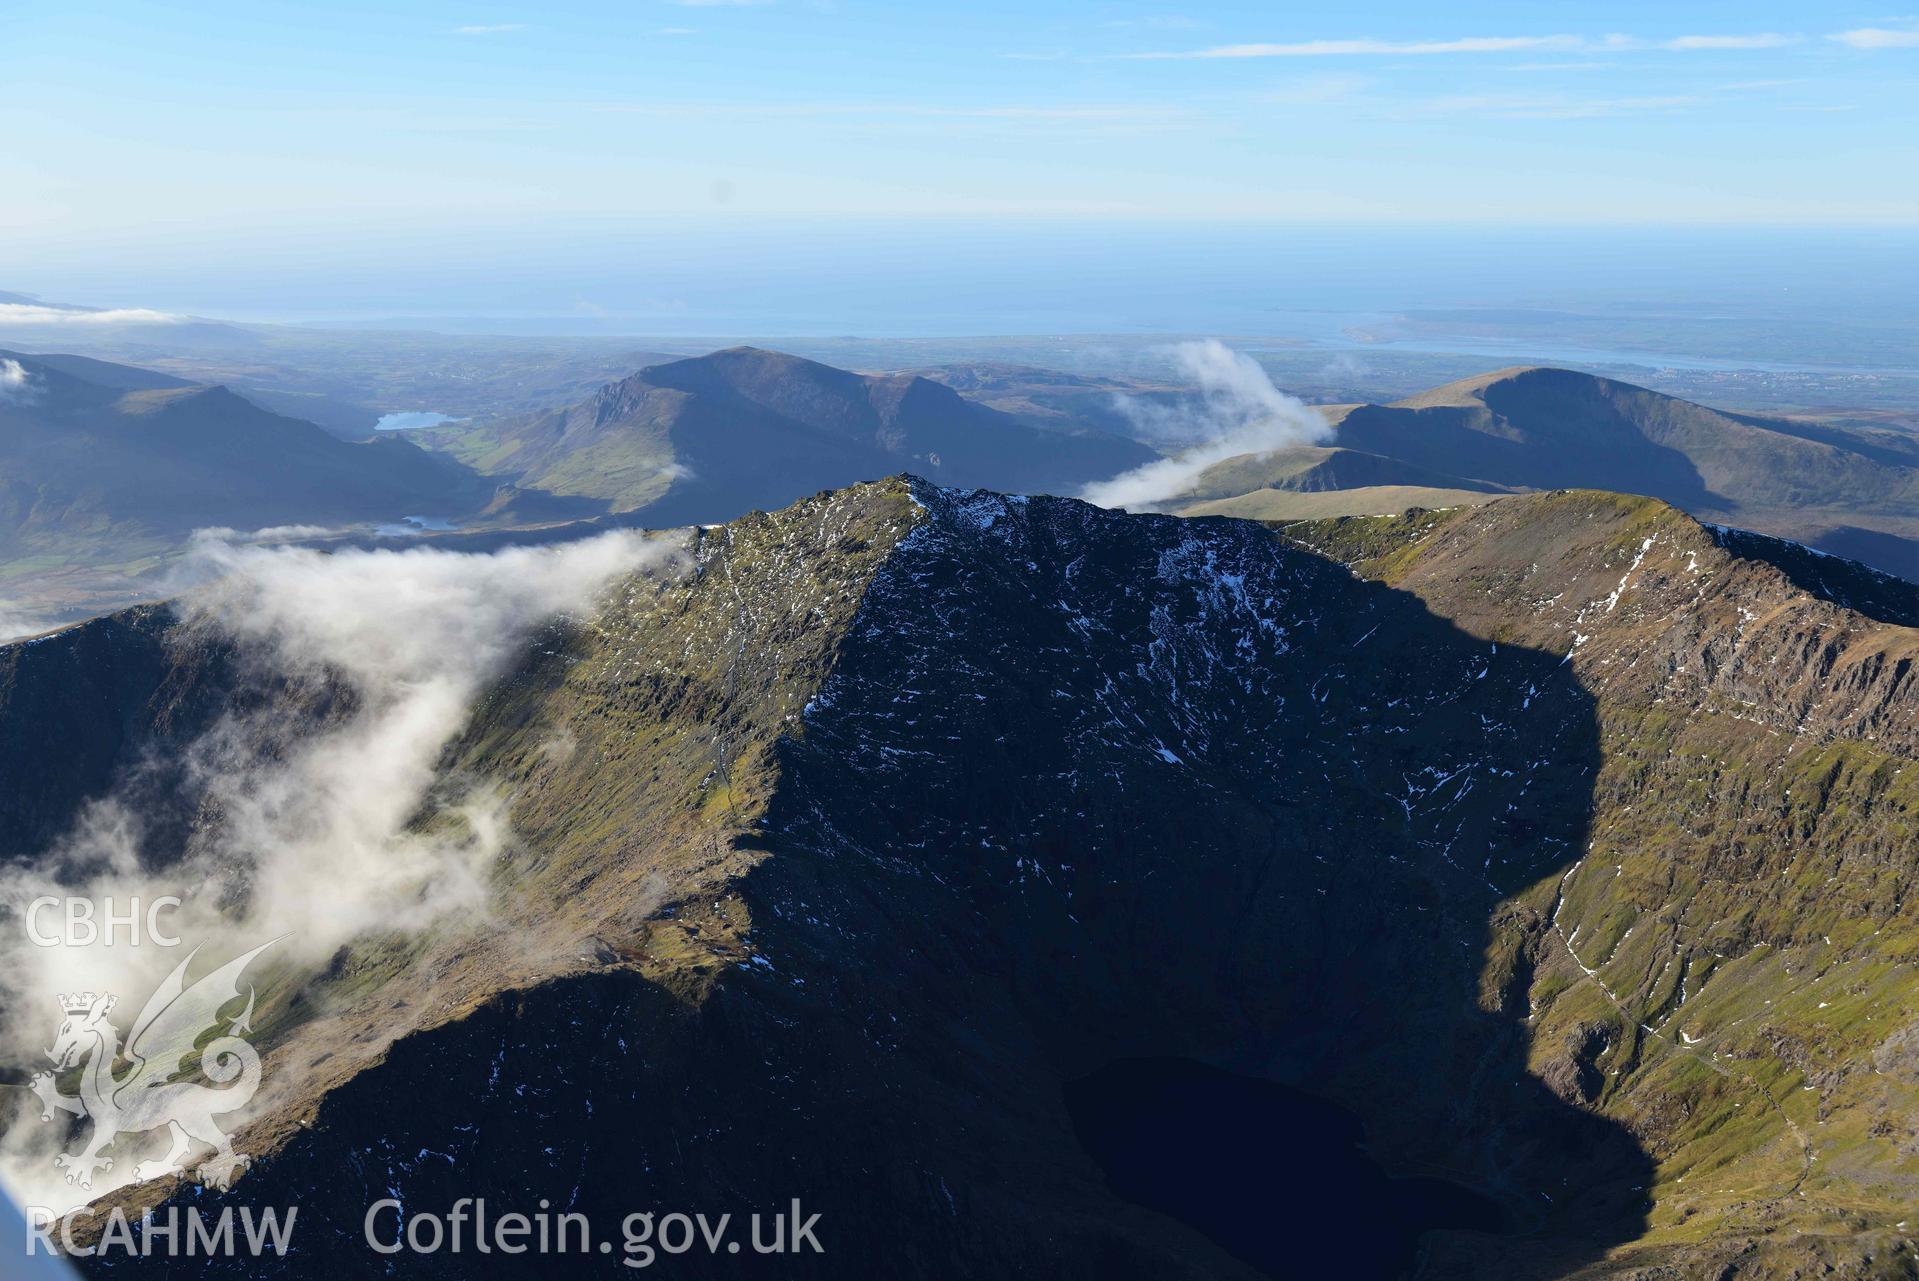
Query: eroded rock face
{"points": [[1739, 915], [908, 805]]}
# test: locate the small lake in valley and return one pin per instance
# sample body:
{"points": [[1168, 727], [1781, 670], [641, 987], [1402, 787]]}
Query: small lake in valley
{"points": [[1273, 1175]]}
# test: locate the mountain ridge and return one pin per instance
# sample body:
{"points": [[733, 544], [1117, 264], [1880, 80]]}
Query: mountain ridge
{"points": [[158, 460], [715, 435], [1851, 491], [966, 739]]}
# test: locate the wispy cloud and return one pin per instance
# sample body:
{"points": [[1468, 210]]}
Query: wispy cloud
{"points": [[1514, 106], [20, 313], [1367, 94], [1582, 64], [1879, 37], [906, 110], [1157, 22], [1036, 113], [17, 620], [1356, 48], [16, 382], [348, 827], [1237, 411], [1365, 47], [720, 4], [1314, 91], [1763, 40], [490, 29]]}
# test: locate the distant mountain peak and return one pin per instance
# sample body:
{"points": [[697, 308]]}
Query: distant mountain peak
{"points": [[709, 437], [1473, 390]]}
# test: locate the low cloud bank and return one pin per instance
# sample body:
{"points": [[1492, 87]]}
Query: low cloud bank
{"points": [[26, 313], [318, 834], [1239, 411]]}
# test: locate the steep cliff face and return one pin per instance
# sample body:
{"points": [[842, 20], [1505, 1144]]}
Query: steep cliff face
{"points": [[108, 708], [837, 857], [1726, 969]]}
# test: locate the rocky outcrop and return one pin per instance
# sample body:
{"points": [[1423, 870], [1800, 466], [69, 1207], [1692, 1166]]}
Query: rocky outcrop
{"points": [[1562, 846]]}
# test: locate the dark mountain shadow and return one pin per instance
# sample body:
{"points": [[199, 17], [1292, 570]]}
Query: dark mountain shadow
{"points": [[1886, 570], [1448, 438], [1217, 1151], [1546, 429], [1893, 448], [114, 708], [107, 706], [90, 466], [1135, 788], [1848, 583]]}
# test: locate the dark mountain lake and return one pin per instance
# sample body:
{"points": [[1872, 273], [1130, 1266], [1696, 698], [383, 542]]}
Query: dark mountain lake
{"points": [[1275, 1176]]}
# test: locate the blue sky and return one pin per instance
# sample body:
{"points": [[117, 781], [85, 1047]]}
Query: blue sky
{"points": [[220, 131]]}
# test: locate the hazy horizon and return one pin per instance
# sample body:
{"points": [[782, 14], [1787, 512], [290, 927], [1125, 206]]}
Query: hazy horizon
{"points": [[735, 168], [768, 165], [950, 279]]}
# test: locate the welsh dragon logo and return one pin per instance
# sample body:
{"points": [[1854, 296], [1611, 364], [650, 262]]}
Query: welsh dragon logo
{"points": [[146, 1094]]}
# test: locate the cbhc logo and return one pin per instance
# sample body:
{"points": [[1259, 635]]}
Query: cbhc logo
{"points": [[79, 924]]}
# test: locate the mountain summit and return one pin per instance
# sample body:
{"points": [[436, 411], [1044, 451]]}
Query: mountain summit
{"points": [[717, 435], [1557, 840], [104, 468], [1852, 491]]}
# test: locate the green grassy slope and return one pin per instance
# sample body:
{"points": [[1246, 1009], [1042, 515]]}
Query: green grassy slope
{"points": [[1731, 968], [1364, 500], [1849, 490]]}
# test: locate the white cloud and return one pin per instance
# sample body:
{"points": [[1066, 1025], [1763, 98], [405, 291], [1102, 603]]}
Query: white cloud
{"points": [[321, 831], [1514, 106], [1121, 113], [1317, 91], [16, 381], [1764, 40], [1239, 412], [1036, 113], [1478, 44], [18, 619], [1158, 22], [1878, 37], [21, 313], [270, 534], [490, 29], [1351, 48]]}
